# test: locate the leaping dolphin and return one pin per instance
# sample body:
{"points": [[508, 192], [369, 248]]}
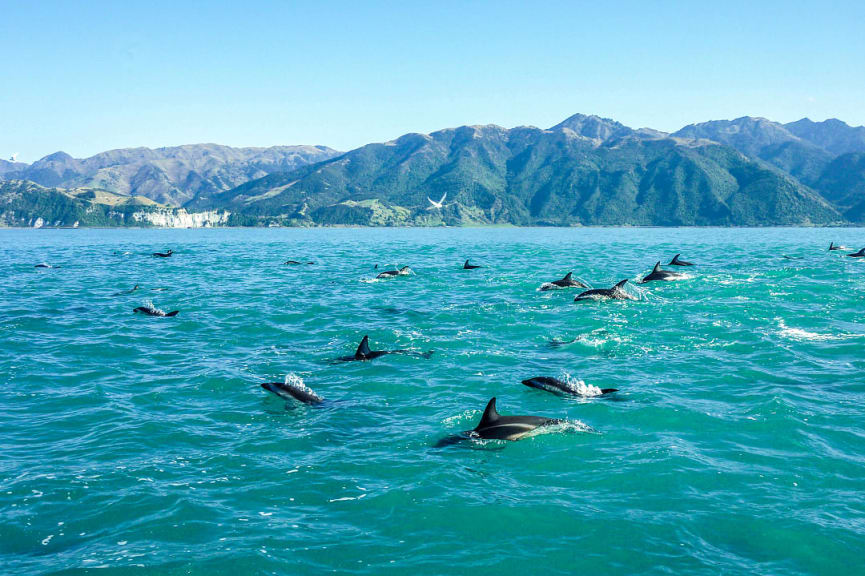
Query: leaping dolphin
{"points": [[288, 391], [151, 311], [617, 292], [658, 274], [391, 273], [676, 262], [565, 388], [468, 266], [566, 282], [438, 205], [163, 254], [859, 254], [364, 353]]}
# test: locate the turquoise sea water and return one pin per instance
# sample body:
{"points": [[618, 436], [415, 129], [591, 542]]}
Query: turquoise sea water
{"points": [[139, 445]]}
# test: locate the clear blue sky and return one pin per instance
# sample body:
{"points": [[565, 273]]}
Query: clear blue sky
{"points": [[89, 76]]}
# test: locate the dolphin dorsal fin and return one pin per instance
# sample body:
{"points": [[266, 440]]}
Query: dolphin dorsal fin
{"points": [[675, 259], [490, 414], [567, 276], [831, 245], [622, 283], [363, 349], [466, 265], [657, 267]]}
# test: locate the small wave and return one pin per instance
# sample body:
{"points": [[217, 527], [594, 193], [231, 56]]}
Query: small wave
{"points": [[346, 498], [597, 338], [464, 416], [799, 334], [637, 291], [569, 426]]}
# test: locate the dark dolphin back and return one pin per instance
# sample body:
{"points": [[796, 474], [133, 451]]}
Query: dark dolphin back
{"points": [[491, 415], [281, 389], [363, 349], [539, 382]]}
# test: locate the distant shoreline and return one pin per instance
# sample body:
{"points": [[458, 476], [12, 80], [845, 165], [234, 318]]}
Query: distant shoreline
{"points": [[468, 227]]}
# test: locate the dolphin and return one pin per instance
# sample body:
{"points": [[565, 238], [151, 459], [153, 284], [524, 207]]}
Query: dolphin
{"points": [[295, 263], [494, 426], [859, 254], [391, 273], [163, 254], [45, 266], [151, 311], [288, 391], [833, 247], [676, 262], [566, 282], [468, 266], [130, 291], [658, 274], [558, 387], [614, 293], [364, 353]]}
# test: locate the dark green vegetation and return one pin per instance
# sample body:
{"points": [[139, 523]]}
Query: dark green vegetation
{"points": [[584, 171]]}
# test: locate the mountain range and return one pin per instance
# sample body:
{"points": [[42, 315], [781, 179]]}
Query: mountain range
{"points": [[585, 170]]}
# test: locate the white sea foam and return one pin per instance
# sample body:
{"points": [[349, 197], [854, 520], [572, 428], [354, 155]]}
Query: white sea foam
{"points": [[680, 276], [150, 304], [464, 416], [570, 426], [579, 387], [799, 334], [345, 498], [296, 382]]}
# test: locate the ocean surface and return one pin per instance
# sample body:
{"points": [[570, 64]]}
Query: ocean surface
{"points": [[139, 445]]}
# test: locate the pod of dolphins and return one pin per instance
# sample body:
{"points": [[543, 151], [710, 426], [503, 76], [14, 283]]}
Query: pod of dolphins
{"points": [[492, 425]]}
